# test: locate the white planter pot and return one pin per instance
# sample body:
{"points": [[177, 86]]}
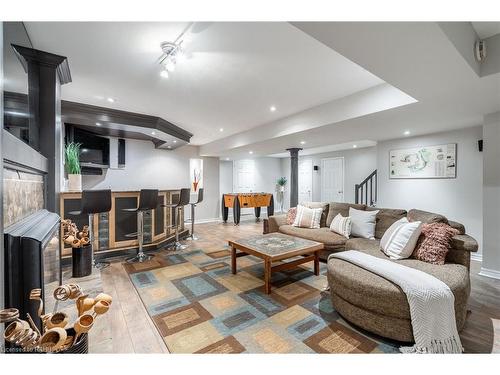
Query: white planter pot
{"points": [[74, 182]]}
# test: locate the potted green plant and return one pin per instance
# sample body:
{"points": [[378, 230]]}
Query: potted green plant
{"points": [[281, 182], [280, 187], [72, 163]]}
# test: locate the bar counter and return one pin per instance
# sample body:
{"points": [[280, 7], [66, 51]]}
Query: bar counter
{"points": [[110, 229]]}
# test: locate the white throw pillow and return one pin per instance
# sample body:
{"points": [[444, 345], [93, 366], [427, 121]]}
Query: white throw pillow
{"points": [[399, 241], [341, 225], [363, 223], [307, 217]]}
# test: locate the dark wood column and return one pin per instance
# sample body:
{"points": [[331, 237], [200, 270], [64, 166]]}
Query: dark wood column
{"points": [[46, 73], [294, 176]]}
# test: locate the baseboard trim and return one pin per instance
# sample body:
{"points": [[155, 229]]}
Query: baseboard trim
{"points": [[202, 221], [494, 274], [476, 257]]}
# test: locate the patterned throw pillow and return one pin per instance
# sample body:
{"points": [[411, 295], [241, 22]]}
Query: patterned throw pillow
{"points": [[341, 225], [290, 215], [307, 217], [434, 243]]}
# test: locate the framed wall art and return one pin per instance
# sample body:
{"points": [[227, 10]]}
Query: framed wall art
{"points": [[438, 161]]}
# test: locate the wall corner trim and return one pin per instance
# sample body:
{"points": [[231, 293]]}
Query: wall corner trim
{"points": [[494, 274]]}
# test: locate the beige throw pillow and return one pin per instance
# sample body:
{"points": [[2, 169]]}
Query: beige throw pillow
{"points": [[341, 225], [399, 241], [307, 217]]}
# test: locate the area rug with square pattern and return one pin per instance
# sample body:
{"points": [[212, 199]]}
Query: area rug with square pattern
{"points": [[199, 306]]}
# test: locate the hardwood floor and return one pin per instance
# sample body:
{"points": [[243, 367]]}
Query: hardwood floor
{"points": [[127, 328]]}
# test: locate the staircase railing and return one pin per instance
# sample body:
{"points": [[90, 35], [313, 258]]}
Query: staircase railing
{"points": [[366, 191]]}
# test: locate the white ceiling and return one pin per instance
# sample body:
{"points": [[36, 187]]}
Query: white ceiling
{"points": [[486, 29], [233, 74], [306, 150], [415, 57]]}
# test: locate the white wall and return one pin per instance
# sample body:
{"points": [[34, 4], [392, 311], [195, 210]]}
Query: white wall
{"points": [[225, 177], [491, 191], [147, 167], [267, 171], [358, 164], [459, 199]]}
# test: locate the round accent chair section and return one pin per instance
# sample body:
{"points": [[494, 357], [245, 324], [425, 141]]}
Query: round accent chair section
{"points": [[379, 306]]}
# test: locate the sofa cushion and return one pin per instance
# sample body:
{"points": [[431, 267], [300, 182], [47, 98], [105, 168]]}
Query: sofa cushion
{"points": [[324, 205], [362, 244], [336, 208], [324, 235], [385, 218], [426, 217], [369, 291]]}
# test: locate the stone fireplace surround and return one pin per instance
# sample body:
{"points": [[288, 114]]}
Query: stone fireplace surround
{"points": [[24, 171]]}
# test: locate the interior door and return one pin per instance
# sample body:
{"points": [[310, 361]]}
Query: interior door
{"points": [[305, 180], [244, 176], [332, 180]]}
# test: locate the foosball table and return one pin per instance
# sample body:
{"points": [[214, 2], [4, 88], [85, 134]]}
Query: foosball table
{"points": [[237, 201]]}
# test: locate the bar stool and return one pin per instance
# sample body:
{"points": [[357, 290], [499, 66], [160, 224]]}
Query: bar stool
{"points": [[94, 202], [193, 205], [183, 201], [148, 200]]}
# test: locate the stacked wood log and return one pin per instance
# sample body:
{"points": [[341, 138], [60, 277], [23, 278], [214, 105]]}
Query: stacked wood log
{"points": [[73, 236], [56, 335]]}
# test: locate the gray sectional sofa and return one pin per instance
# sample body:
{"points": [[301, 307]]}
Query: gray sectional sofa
{"points": [[368, 300]]}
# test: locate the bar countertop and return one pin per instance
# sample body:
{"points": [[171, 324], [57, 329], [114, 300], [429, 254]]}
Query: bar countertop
{"points": [[118, 191], [112, 229]]}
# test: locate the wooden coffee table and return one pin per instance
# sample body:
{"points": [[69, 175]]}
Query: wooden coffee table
{"points": [[275, 247]]}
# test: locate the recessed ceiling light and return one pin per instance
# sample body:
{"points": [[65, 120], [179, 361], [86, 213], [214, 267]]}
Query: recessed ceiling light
{"points": [[111, 100], [250, 152], [354, 146], [169, 147], [227, 159], [164, 74], [98, 123], [221, 129], [302, 142], [272, 108], [175, 141], [407, 132], [153, 133]]}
